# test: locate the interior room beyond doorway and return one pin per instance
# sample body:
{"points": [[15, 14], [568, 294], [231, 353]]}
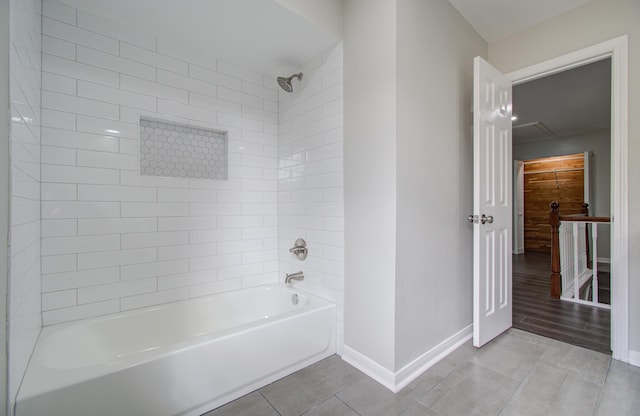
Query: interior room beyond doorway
{"points": [[567, 113]]}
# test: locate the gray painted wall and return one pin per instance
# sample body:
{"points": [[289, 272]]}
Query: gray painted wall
{"points": [[408, 178], [599, 143], [434, 291], [370, 178]]}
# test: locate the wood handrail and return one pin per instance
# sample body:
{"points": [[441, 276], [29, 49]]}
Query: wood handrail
{"points": [[582, 218]]}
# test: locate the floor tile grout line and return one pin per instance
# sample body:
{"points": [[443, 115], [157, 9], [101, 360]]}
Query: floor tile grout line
{"points": [[443, 378], [346, 404], [270, 404], [596, 408], [601, 392], [523, 383]]}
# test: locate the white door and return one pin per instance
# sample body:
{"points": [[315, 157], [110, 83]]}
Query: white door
{"points": [[492, 169]]}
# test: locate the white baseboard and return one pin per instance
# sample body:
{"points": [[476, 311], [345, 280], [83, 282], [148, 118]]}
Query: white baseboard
{"points": [[604, 260], [369, 367], [634, 358], [398, 380], [421, 364]]}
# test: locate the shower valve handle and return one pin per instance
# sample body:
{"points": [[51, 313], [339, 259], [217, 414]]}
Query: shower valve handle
{"points": [[299, 249]]}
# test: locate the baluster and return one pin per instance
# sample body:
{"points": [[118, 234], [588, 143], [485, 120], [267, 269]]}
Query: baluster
{"points": [[576, 261], [565, 265], [594, 236], [585, 212], [567, 256], [554, 221]]}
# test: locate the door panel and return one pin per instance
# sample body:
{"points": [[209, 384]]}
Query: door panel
{"points": [[492, 203]]}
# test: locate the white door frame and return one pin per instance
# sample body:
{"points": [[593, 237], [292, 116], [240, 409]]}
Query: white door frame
{"points": [[518, 207], [617, 50]]}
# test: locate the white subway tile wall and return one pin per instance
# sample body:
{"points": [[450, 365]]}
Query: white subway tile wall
{"points": [[113, 239], [310, 197], [24, 279]]}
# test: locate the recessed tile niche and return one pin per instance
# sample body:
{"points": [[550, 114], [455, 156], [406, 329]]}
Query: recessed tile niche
{"points": [[182, 151]]}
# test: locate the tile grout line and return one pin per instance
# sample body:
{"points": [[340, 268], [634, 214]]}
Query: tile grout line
{"points": [[346, 404], [270, 404], [522, 384], [329, 398], [443, 378], [596, 408]]}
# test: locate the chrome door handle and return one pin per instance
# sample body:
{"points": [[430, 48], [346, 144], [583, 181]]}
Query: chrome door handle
{"points": [[473, 219], [486, 219]]}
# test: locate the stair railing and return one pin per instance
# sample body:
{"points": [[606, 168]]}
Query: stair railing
{"points": [[570, 257]]}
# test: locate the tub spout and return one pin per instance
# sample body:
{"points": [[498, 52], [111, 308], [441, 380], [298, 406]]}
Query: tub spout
{"points": [[294, 276]]}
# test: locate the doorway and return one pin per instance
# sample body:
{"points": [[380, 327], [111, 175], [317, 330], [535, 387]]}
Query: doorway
{"points": [[561, 131], [617, 50]]}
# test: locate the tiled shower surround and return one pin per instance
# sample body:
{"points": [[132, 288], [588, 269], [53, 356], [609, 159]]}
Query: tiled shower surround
{"points": [[310, 192], [115, 240]]}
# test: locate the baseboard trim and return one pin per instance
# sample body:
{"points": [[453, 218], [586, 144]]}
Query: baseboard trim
{"points": [[634, 358], [398, 380], [369, 367], [604, 260], [411, 371]]}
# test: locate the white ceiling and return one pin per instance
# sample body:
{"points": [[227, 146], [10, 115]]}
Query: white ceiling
{"points": [[260, 35], [569, 103], [497, 19], [268, 37]]}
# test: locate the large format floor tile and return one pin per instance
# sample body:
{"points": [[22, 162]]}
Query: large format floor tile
{"points": [[517, 374], [305, 389], [471, 390]]}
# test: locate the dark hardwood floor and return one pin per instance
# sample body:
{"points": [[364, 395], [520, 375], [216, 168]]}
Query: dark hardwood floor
{"points": [[535, 311]]}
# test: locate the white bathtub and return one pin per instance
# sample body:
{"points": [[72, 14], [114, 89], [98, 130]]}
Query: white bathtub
{"points": [[183, 358]]}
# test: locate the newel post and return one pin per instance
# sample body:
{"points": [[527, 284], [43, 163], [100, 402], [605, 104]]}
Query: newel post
{"points": [[554, 221]]}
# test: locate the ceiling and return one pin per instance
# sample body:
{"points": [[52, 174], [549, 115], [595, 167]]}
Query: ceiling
{"points": [[268, 37], [260, 35], [568, 103], [497, 19]]}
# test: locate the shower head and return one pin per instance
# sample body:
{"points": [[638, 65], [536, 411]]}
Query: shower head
{"points": [[285, 83]]}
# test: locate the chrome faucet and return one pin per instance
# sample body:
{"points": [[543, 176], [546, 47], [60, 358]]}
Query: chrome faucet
{"points": [[294, 276]]}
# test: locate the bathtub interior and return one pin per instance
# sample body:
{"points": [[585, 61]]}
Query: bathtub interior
{"points": [[71, 357], [98, 341]]}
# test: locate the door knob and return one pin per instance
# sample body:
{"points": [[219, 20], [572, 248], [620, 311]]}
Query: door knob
{"points": [[486, 219], [473, 219]]}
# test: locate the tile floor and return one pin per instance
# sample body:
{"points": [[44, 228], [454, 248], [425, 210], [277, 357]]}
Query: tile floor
{"points": [[517, 374]]}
